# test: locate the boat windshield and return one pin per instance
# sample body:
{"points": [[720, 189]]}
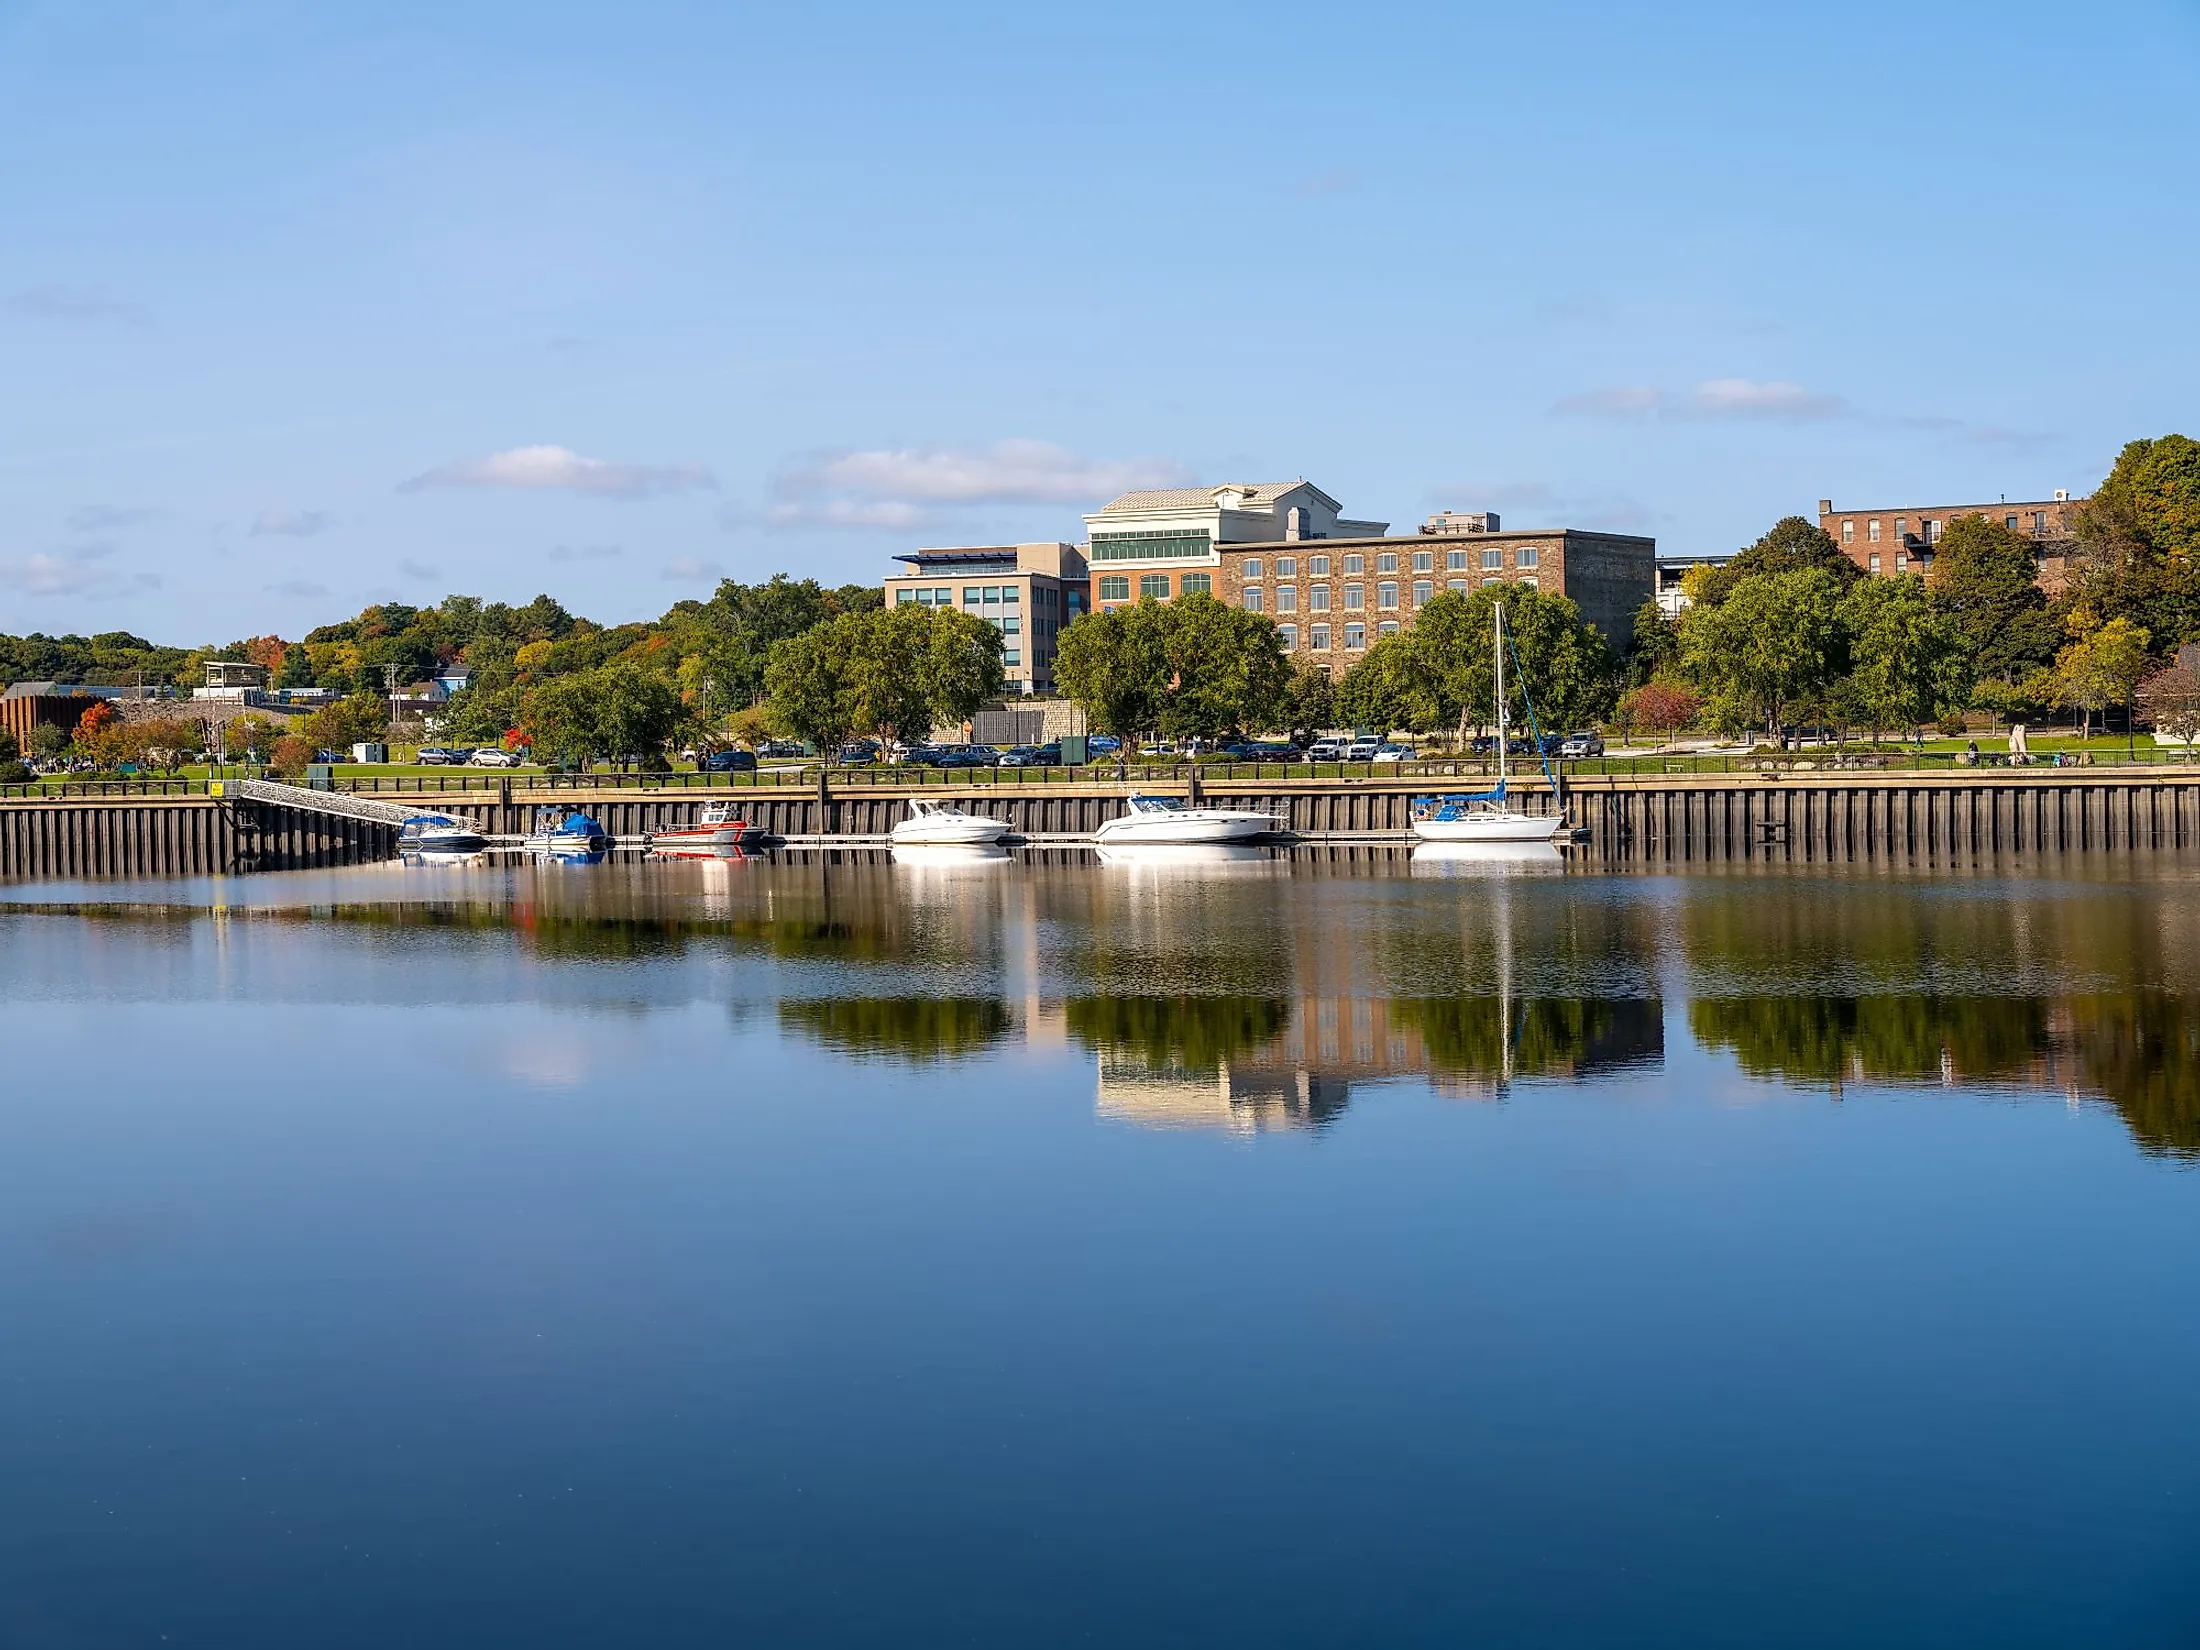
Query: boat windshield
{"points": [[1157, 804]]}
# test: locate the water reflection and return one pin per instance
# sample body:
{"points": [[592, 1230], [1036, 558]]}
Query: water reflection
{"points": [[919, 1029], [1251, 993]]}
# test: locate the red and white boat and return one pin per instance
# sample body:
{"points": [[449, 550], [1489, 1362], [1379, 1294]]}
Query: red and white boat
{"points": [[718, 827]]}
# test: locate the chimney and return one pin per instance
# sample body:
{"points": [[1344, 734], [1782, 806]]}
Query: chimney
{"points": [[1825, 506], [1294, 524]]}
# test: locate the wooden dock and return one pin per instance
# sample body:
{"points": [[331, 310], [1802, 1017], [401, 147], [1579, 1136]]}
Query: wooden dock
{"points": [[1674, 818]]}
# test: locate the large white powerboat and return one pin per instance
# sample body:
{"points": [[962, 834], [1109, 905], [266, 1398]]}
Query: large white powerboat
{"points": [[1485, 816], [936, 825], [1149, 820]]}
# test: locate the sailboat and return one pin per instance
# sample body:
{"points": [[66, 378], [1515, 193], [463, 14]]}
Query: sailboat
{"points": [[1486, 816]]}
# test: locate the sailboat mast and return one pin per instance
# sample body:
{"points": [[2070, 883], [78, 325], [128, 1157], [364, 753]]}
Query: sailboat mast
{"points": [[1497, 620]]}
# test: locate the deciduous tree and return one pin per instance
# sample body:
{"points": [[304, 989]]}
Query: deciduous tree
{"points": [[1774, 640], [1911, 663], [1985, 578]]}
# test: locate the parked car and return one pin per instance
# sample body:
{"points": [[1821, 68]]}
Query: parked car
{"points": [[918, 756], [439, 756], [859, 750], [1362, 750], [1102, 744], [1575, 746], [1387, 752], [1327, 750], [780, 748], [967, 756], [491, 757], [729, 762], [1032, 756]]}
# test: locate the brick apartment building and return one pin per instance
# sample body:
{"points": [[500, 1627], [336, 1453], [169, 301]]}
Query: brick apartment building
{"points": [[1902, 540], [1335, 585]]}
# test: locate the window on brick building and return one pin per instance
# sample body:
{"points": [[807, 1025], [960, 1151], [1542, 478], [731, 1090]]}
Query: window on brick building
{"points": [[1932, 530], [1423, 591], [1115, 587], [1289, 633], [1319, 635], [1317, 599], [1189, 582], [1424, 561], [1287, 567], [1251, 569], [1386, 595], [1492, 560], [1355, 637], [1875, 561], [1529, 581], [1455, 584], [1155, 585], [1355, 596], [1252, 601], [1355, 564], [1287, 598], [1318, 566], [1389, 627], [1529, 555], [1455, 560], [1387, 562], [2039, 521], [2010, 523], [1848, 532], [1871, 529]]}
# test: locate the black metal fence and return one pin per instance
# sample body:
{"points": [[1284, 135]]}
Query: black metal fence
{"points": [[1142, 773]]}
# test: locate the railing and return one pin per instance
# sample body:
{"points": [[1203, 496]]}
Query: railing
{"points": [[1653, 765]]}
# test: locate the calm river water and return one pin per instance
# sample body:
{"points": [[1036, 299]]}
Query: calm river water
{"points": [[1320, 1253]]}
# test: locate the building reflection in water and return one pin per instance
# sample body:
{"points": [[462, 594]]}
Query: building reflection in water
{"points": [[1204, 1063]]}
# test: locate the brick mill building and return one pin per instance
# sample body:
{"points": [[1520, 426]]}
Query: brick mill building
{"points": [[1335, 585], [1902, 540]]}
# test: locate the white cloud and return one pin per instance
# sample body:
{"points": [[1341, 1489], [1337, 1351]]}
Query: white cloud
{"points": [[902, 489], [541, 467], [80, 304], [44, 575], [690, 569], [1619, 401], [291, 524], [888, 515], [106, 518], [1774, 399], [1008, 472], [1765, 401]]}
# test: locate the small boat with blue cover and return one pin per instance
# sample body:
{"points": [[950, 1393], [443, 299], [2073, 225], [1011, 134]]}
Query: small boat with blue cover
{"points": [[567, 834]]}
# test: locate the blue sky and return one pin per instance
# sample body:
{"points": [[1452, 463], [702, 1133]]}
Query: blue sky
{"points": [[305, 306]]}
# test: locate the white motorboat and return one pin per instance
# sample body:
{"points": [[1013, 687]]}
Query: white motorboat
{"points": [[720, 825], [439, 834], [936, 825], [1485, 816], [1150, 820]]}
